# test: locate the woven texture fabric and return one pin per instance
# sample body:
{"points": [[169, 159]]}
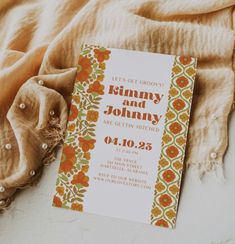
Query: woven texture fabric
{"points": [[39, 48]]}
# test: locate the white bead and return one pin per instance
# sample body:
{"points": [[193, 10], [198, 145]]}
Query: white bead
{"points": [[2, 188], [2, 202], [214, 116], [213, 155], [52, 112], [41, 82], [32, 173], [22, 106], [8, 146], [44, 146]]}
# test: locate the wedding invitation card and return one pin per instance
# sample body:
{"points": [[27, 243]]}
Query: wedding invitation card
{"points": [[126, 135]]}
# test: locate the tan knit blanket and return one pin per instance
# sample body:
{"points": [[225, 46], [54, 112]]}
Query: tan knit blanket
{"points": [[40, 42]]}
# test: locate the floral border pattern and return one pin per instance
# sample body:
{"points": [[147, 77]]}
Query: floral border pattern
{"points": [[170, 165], [72, 180]]}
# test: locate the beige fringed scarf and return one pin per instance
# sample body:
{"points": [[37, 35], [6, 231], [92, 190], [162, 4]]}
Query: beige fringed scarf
{"points": [[39, 49]]}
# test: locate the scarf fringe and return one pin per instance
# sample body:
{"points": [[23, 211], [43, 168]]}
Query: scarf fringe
{"points": [[54, 135], [204, 168]]}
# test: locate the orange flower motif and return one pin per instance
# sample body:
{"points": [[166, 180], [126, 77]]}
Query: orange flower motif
{"points": [[80, 178], [87, 155], [101, 54], [86, 144], [84, 69], [156, 211], [100, 78], [168, 175], [76, 99], [185, 60], [85, 168], [170, 115], [170, 214], [187, 94], [57, 202], [161, 223], [163, 162], [184, 117], [175, 128], [96, 87], [182, 81], [165, 200], [174, 189], [60, 190], [166, 138], [172, 151], [176, 69], [92, 115], [71, 127], [73, 113], [177, 165], [179, 104], [102, 66], [77, 207], [160, 187], [68, 158], [173, 92], [191, 71], [181, 140]]}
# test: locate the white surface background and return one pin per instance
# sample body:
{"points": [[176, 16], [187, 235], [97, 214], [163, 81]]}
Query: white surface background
{"points": [[206, 215]]}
